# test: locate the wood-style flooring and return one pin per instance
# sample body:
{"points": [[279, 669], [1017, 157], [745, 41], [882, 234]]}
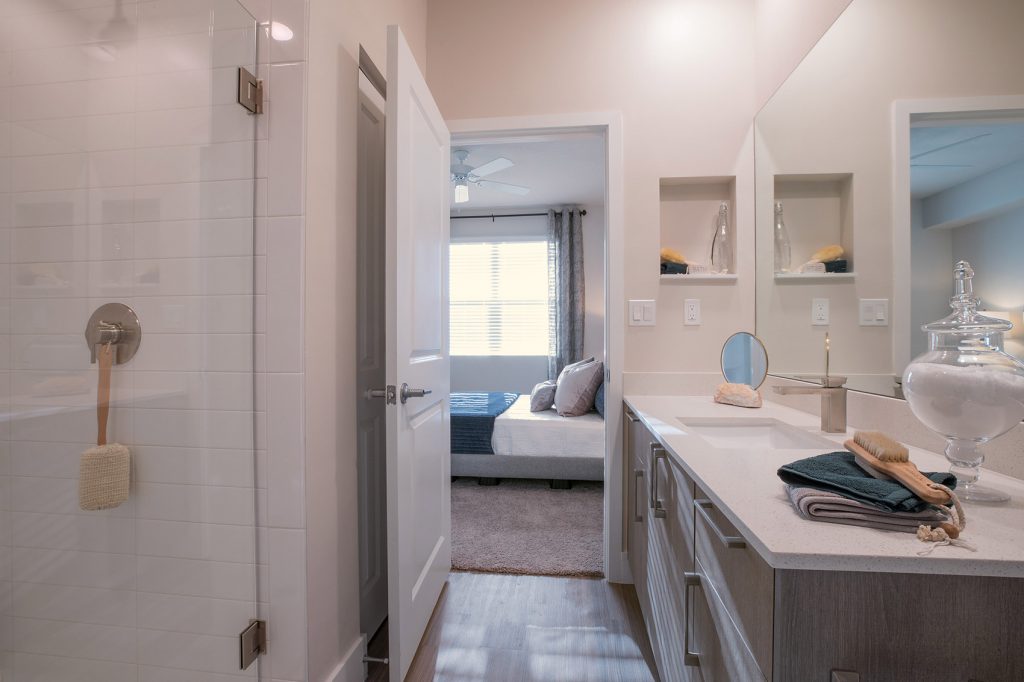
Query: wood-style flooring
{"points": [[516, 628]]}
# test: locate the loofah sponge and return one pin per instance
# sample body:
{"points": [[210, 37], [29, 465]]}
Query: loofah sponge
{"points": [[672, 256]]}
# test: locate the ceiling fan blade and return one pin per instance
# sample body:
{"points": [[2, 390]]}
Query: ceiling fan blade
{"points": [[503, 187], [498, 164]]}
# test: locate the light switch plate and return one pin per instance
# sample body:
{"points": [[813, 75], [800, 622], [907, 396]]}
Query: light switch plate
{"points": [[874, 312], [819, 311], [691, 311], [642, 313]]}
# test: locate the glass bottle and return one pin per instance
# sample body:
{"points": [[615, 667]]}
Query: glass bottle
{"points": [[783, 254], [721, 242], [965, 387]]}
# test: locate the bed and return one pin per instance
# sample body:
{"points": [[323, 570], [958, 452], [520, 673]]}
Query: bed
{"points": [[523, 444]]}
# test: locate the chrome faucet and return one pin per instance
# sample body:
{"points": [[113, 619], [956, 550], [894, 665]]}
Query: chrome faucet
{"points": [[833, 401]]}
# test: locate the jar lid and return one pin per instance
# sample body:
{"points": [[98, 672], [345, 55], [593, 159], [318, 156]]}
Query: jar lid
{"points": [[965, 317]]}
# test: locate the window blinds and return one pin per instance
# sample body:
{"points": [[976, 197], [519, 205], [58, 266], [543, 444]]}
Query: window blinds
{"points": [[499, 298]]}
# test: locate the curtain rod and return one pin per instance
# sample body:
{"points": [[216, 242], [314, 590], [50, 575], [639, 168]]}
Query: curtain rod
{"points": [[493, 216]]}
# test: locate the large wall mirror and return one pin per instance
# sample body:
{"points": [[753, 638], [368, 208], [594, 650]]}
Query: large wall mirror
{"points": [[899, 142]]}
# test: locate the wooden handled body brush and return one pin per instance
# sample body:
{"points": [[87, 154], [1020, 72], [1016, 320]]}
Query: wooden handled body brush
{"points": [[882, 457]]}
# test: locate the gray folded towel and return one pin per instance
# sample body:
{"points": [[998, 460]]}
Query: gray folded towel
{"points": [[821, 505]]}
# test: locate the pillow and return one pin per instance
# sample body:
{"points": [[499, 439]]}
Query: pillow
{"points": [[577, 384], [599, 400], [573, 365], [542, 397]]}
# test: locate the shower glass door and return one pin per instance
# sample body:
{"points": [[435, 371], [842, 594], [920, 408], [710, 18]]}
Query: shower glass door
{"points": [[127, 176]]}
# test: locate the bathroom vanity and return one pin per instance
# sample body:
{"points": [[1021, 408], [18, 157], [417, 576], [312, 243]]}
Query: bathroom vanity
{"points": [[735, 586]]}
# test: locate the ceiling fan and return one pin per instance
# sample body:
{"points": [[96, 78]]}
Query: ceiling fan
{"points": [[463, 175]]}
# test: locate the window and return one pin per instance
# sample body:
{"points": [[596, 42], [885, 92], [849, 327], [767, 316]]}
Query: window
{"points": [[499, 298]]}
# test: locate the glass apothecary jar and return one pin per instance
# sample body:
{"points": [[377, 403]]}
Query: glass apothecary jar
{"points": [[965, 387]]}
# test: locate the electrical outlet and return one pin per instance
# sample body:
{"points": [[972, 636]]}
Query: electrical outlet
{"points": [[642, 313], [874, 312], [819, 311], [691, 311]]}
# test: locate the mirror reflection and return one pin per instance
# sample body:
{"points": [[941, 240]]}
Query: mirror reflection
{"points": [[870, 185], [967, 202], [744, 360]]}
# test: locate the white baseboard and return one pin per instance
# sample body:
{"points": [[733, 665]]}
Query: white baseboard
{"points": [[351, 668]]}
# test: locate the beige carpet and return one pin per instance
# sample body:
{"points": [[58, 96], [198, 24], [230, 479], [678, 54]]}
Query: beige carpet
{"points": [[524, 527]]}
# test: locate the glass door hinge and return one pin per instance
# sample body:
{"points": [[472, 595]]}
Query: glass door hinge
{"points": [[252, 642], [250, 91]]}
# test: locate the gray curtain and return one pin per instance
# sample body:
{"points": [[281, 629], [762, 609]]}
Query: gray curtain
{"points": [[566, 288]]}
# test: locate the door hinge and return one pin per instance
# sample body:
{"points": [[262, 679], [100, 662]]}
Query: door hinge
{"points": [[250, 91], [252, 642]]}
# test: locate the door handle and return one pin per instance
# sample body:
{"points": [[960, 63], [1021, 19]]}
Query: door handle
{"points": [[689, 657], [730, 541], [388, 393], [407, 392], [638, 475], [657, 506]]}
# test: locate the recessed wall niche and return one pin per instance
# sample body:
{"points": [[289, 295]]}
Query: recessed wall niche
{"points": [[689, 211], [818, 211]]}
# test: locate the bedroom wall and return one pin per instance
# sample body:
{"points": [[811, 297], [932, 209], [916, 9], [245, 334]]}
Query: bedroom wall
{"points": [[521, 373]]}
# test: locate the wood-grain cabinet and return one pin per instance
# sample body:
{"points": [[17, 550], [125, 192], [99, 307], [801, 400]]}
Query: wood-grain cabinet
{"points": [[716, 611]]}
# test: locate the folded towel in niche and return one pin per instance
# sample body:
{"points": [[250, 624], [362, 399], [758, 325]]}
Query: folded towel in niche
{"points": [[821, 505], [838, 472], [673, 268]]}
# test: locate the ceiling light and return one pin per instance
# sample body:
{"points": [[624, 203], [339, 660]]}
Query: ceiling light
{"points": [[280, 32], [461, 192]]}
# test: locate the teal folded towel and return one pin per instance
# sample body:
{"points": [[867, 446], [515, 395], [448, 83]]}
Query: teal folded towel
{"points": [[839, 473]]}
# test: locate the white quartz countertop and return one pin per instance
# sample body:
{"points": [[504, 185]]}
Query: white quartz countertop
{"points": [[744, 485]]}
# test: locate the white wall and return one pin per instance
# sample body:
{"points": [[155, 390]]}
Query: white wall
{"points": [[994, 247], [336, 29], [786, 31], [931, 265], [681, 73]]}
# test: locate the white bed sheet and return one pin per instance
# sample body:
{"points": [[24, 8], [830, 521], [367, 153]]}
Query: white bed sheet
{"points": [[517, 431]]}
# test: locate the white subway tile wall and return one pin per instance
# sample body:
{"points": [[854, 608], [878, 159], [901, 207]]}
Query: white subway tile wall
{"points": [[126, 173]]}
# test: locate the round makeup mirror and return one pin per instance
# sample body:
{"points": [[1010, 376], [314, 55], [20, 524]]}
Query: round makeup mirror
{"points": [[744, 360]]}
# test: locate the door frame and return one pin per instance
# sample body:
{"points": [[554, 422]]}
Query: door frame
{"points": [[609, 124]]}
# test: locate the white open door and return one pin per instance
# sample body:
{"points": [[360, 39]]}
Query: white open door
{"points": [[418, 444]]}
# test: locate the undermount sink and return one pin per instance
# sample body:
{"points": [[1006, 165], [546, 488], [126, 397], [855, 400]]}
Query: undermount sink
{"points": [[744, 433]]}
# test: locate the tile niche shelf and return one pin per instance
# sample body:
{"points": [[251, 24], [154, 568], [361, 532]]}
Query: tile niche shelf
{"points": [[689, 210], [818, 211]]}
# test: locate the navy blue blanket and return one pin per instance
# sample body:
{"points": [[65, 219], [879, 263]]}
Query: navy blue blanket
{"points": [[473, 416]]}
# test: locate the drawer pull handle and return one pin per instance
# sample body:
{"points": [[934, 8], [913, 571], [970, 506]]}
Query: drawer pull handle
{"points": [[689, 657], [638, 515], [730, 541], [632, 417], [656, 503]]}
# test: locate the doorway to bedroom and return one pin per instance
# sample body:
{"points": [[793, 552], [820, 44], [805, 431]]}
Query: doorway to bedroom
{"points": [[527, 341]]}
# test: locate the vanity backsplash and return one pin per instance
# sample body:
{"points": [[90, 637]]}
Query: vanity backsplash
{"points": [[864, 411]]}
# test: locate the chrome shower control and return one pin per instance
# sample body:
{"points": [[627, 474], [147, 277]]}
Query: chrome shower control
{"points": [[114, 324]]}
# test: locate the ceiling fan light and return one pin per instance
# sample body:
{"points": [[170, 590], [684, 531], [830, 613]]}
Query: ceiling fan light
{"points": [[461, 192]]}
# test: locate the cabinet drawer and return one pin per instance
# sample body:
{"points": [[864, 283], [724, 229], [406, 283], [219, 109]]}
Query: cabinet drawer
{"points": [[719, 649], [744, 582]]}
